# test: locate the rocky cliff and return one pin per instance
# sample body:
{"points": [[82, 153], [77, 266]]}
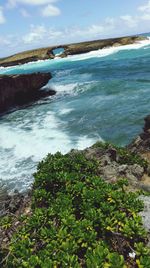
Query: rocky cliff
{"points": [[21, 89]]}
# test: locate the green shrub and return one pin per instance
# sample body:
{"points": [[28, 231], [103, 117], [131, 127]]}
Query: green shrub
{"points": [[77, 220]]}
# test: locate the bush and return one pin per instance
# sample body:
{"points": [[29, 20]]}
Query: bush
{"points": [[79, 220]]}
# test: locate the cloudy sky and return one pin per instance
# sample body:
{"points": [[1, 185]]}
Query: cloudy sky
{"points": [[27, 24]]}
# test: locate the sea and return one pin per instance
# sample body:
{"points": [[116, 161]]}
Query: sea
{"points": [[102, 95]]}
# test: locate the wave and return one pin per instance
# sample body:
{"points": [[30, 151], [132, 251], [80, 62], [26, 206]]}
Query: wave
{"points": [[110, 50], [71, 89], [29, 139], [65, 88]]}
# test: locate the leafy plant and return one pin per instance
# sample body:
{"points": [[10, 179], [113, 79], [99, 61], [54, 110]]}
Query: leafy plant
{"points": [[78, 220]]}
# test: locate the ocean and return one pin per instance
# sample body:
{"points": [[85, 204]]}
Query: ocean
{"points": [[101, 95]]}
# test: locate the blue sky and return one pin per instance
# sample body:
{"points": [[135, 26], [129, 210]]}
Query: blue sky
{"points": [[27, 24]]}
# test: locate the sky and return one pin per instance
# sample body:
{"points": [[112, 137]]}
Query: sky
{"points": [[28, 24]]}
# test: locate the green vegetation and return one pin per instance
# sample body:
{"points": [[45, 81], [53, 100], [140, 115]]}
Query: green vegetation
{"points": [[78, 220]]}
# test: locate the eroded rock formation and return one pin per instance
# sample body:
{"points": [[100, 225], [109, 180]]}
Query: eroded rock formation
{"points": [[69, 49]]}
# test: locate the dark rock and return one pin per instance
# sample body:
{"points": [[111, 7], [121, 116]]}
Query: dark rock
{"points": [[147, 123], [21, 89], [113, 153], [142, 143], [13, 203]]}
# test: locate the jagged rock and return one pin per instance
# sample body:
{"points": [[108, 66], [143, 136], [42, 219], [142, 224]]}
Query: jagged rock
{"points": [[137, 171], [21, 89], [110, 168], [142, 143]]}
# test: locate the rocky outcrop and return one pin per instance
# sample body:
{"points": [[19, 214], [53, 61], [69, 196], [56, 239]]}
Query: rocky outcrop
{"points": [[69, 49], [115, 164], [85, 47], [141, 144], [20, 89]]}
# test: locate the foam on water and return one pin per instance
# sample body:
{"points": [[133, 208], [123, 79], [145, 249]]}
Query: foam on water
{"points": [[110, 50], [66, 88], [24, 143], [72, 89], [65, 111]]}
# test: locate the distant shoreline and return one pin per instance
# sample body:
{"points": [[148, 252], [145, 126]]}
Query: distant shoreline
{"points": [[69, 49]]}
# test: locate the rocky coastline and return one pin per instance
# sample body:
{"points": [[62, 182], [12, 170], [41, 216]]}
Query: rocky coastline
{"points": [[69, 49], [17, 90], [114, 163]]}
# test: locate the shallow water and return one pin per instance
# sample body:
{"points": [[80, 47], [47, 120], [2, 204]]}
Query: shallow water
{"points": [[101, 95]]}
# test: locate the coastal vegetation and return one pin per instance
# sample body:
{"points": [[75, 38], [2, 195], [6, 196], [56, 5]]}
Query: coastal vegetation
{"points": [[77, 219]]}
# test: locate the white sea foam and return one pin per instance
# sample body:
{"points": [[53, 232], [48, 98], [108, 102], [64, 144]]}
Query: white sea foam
{"points": [[85, 142], [67, 88], [72, 89], [65, 111], [29, 139], [110, 50]]}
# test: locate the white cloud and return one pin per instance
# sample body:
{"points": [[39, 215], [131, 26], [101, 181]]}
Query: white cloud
{"points": [[110, 21], [13, 3], [2, 18], [130, 21], [145, 8], [24, 13], [92, 30], [145, 17], [50, 10], [47, 6], [4, 41], [40, 34], [36, 34]]}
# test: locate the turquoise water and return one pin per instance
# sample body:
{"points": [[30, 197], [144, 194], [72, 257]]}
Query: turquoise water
{"points": [[58, 51], [102, 95]]}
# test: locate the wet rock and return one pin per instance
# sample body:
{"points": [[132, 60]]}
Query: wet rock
{"points": [[21, 89]]}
